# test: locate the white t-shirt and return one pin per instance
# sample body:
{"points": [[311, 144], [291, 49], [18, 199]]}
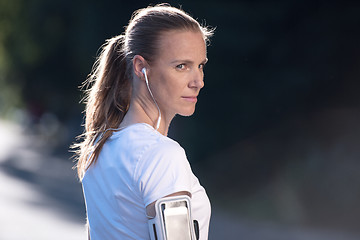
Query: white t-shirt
{"points": [[136, 167]]}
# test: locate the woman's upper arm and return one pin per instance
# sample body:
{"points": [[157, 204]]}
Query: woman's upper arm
{"points": [[165, 171]]}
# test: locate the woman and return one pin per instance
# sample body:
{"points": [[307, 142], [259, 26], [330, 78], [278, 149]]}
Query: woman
{"points": [[140, 81]]}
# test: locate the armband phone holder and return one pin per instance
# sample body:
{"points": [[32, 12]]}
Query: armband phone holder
{"points": [[173, 220]]}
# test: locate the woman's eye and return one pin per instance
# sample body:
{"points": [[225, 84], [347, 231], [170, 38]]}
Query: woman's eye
{"points": [[181, 66]]}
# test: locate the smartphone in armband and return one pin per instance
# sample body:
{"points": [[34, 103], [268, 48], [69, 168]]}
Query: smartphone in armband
{"points": [[173, 220]]}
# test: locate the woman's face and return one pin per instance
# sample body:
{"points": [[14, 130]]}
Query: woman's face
{"points": [[176, 74]]}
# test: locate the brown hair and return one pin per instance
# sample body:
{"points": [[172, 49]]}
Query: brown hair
{"points": [[108, 87]]}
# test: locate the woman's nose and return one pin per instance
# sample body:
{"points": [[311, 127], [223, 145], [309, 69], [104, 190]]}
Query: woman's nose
{"points": [[197, 79]]}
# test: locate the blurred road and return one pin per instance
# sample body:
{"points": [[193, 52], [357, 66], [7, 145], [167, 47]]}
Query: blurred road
{"points": [[41, 199], [39, 195]]}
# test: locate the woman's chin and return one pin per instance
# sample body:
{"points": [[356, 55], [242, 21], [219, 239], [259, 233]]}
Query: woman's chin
{"points": [[187, 113]]}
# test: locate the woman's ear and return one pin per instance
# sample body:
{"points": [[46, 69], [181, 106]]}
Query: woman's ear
{"points": [[138, 64]]}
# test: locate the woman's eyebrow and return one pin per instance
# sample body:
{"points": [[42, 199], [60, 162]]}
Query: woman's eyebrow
{"points": [[188, 61], [182, 61]]}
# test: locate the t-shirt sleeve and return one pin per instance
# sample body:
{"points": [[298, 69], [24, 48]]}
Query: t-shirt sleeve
{"points": [[163, 170]]}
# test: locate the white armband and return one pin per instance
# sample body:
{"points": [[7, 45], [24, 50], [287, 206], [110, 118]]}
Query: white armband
{"points": [[173, 220]]}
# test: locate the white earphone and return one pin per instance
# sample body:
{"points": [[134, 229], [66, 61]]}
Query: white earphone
{"points": [[157, 106], [144, 72]]}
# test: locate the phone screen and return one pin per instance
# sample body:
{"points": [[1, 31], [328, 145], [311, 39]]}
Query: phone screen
{"points": [[177, 223]]}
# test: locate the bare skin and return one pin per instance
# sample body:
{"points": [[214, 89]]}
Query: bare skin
{"points": [[175, 79]]}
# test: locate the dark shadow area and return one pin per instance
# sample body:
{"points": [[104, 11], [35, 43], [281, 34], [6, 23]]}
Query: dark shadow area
{"points": [[310, 177]]}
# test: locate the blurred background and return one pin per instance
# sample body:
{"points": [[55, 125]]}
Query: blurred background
{"points": [[275, 138]]}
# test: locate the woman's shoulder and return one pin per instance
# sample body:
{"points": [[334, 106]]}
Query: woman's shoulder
{"points": [[145, 136]]}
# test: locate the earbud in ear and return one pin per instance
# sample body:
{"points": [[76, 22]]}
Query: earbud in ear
{"points": [[146, 79]]}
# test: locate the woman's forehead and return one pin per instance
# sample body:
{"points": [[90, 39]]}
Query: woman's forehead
{"points": [[183, 44]]}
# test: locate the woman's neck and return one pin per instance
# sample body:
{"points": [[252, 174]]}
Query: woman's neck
{"points": [[140, 112]]}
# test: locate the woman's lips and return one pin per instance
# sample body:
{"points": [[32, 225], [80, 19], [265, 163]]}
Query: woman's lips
{"points": [[192, 99]]}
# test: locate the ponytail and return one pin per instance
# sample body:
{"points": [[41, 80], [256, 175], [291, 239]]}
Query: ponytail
{"points": [[107, 98]]}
